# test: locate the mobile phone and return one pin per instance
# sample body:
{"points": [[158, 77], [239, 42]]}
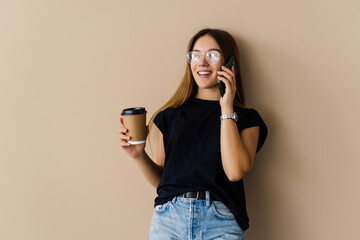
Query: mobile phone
{"points": [[231, 62]]}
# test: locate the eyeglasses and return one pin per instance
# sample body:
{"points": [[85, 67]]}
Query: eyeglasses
{"points": [[212, 57]]}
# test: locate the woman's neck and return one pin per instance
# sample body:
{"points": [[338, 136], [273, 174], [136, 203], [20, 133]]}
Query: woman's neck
{"points": [[208, 94]]}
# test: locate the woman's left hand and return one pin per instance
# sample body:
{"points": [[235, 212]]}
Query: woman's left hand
{"points": [[227, 101]]}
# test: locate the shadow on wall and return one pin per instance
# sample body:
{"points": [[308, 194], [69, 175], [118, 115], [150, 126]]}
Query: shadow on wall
{"points": [[261, 194]]}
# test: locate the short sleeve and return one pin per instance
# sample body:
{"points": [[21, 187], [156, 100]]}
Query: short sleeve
{"points": [[252, 119], [159, 121]]}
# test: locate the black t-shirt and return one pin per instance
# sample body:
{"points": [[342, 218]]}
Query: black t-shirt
{"points": [[191, 135]]}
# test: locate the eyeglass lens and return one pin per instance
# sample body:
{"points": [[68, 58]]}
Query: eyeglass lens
{"points": [[212, 57]]}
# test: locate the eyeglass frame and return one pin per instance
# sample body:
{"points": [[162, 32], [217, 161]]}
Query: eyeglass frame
{"points": [[202, 53]]}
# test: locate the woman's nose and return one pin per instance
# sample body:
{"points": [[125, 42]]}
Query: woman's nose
{"points": [[203, 60]]}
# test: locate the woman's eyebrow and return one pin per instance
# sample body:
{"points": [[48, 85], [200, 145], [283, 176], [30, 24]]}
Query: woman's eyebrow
{"points": [[211, 49]]}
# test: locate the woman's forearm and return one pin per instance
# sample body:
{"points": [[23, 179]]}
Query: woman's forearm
{"points": [[234, 156], [151, 171]]}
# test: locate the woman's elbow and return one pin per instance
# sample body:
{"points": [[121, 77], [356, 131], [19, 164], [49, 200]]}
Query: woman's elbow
{"points": [[234, 177], [237, 175]]}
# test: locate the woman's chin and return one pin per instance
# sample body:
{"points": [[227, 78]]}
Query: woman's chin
{"points": [[204, 83]]}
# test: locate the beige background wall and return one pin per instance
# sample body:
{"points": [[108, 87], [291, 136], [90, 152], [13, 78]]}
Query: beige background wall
{"points": [[67, 68]]}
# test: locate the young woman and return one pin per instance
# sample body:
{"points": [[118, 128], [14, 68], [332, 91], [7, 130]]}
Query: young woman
{"points": [[206, 144]]}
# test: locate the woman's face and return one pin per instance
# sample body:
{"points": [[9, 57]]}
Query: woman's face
{"points": [[205, 74]]}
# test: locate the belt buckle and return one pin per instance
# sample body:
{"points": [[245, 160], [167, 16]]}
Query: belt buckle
{"points": [[197, 196]]}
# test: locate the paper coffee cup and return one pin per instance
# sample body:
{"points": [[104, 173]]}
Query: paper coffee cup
{"points": [[134, 120]]}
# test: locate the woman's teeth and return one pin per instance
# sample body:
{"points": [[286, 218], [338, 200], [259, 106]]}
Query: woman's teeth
{"points": [[204, 73]]}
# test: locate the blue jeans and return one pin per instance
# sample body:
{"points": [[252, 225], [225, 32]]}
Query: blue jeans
{"points": [[191, 219]]}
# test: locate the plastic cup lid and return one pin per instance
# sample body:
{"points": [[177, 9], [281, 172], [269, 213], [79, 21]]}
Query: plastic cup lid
{"points": [[133, 111]]}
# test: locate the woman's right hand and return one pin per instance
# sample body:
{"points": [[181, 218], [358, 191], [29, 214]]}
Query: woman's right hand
{"points": [[135, 151]]}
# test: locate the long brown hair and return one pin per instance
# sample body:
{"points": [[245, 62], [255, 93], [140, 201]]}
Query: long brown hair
{"points": [[188, 87]]}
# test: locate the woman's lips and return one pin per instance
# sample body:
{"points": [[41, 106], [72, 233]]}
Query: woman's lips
{"points": [[204, 74]]}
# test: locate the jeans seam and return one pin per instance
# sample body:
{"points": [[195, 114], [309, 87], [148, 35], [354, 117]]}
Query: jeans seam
{"points": [[189, 222]]}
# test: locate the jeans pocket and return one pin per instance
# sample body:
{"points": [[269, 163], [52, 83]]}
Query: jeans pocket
{"points": [[221, 211], [161, 207]]}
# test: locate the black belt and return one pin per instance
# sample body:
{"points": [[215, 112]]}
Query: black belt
{"points": [[198, 195]]}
